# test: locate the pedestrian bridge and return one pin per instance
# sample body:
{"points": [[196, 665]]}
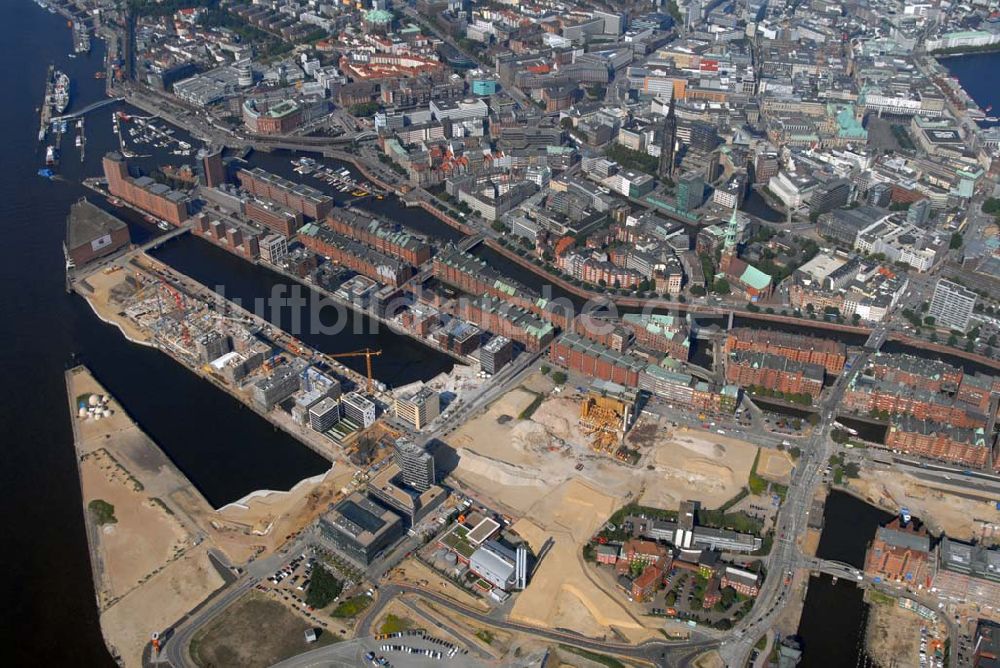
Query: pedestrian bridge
{"points": [[89, 108]]}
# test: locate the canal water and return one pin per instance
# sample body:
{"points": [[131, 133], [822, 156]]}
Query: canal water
{"points": [[833, 620], [755, 205], [335, 329]]}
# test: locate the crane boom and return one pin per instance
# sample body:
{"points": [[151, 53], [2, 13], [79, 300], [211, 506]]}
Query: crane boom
{"points": [[368, 354]]}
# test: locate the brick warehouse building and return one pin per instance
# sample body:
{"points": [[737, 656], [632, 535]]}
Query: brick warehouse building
{"points": [[592, 359], [91, 233], [307, 201], [238, 239], [900, 553], [379, 234], [774, 373], [506, 320], [914, 371], [144, 193], [869, 394], [275, 217], [957, 445], [355, 256], [473, 276], [828, 353]]}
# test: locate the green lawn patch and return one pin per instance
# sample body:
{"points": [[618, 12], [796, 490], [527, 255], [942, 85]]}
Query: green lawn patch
{"points": [[602, 659], [394, 624], [104, 512], [352, 607]]}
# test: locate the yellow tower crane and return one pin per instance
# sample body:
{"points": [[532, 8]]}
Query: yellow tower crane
{"points": [[368, 354]]}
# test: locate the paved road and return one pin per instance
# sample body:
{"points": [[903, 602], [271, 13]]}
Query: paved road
{"points": [[656, 652], [177, 639], [791, 522]]}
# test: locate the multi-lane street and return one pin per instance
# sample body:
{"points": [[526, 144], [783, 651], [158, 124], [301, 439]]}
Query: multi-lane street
{"points": [[791, 523]]}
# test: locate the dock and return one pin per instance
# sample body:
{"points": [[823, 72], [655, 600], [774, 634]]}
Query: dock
{"points": [[45, 113]]}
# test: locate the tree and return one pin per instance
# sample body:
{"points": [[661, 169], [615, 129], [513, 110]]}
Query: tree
{"points": [[753, 308], [682, 299], [323, 588], [363, 109], [558, 377], [545, 369], [956, 241], [929, 321], [721, 287], [697, 291]]}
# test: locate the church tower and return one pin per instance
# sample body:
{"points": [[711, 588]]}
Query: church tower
{"points": [[668, 140]]}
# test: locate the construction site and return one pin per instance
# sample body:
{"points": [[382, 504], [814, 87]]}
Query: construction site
{"points": [[321, 402]]}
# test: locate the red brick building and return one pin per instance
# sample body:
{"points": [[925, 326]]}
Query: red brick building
{"points": [[742, 581], [642, 551], [593, 359], [500, 318], [274, 216], [644, 586], [380, 234], [144, 193], [237, 240], [473, 276], [663, 333], [829, 354], [91, 233], [307, 201], [900, 554], [605, 331], [913, 371], [774, 373], [866, 396], [355, 256], [957, 445]]}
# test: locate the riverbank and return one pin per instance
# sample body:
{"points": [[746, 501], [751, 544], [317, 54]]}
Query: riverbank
{"points": [[148, 558], [101, 291], [150, 531]]}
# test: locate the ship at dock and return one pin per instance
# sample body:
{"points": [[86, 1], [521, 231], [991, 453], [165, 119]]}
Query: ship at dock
{"points": [[60, 92]]}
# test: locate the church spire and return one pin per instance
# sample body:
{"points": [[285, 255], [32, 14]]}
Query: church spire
{"points": [[733, 230]]}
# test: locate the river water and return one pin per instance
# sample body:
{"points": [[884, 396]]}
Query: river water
{"points": [[49, 616], [833, 619]]}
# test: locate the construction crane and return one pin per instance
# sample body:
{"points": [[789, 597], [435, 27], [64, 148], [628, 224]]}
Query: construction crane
{"points": [[367, 353], [179, 303]]}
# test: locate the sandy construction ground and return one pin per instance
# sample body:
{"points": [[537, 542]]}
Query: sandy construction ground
{"points": [[959, 517], [265, 520], [562, 592], [517, 462], [143, 539], [160, 602], [148, 571], [100, 299], [693, 465], [492, 433], [893, 635], [775, 465]]}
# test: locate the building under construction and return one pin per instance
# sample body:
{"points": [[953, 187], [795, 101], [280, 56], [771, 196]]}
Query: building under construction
{"points": [[606, 417]]}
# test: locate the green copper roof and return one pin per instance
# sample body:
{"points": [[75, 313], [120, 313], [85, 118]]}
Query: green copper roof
{"points": [[755, 278]]}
